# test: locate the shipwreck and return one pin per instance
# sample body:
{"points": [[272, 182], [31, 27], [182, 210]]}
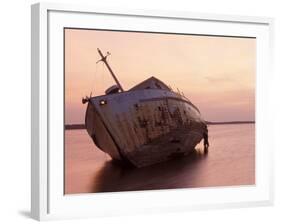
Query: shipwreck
{"points": [[147, 124]]}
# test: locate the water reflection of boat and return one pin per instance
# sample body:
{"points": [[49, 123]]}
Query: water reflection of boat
{"points": [[147, 124]]}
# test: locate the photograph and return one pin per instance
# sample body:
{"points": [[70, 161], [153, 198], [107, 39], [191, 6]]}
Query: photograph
{"points": [[157, 111]]}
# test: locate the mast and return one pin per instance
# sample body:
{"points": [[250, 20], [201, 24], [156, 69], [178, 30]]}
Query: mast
{"points": [[103, 58]]}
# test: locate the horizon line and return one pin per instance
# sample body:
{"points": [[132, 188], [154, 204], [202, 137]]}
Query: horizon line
{"points": [[82, 125]]}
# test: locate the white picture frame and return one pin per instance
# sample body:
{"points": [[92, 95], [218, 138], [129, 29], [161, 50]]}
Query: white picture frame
{"points": [[48, 201]]}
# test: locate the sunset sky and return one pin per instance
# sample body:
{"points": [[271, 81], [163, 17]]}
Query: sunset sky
{"points": [[216, 73]]}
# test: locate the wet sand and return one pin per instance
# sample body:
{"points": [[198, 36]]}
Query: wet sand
{"points": [[230, 162]]}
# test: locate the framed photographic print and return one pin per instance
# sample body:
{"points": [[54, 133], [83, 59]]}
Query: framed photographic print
{"points": [[148, 111]]}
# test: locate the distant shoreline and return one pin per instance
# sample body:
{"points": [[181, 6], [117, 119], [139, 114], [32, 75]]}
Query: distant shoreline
{"points": [[82, 126], [229, 122], [74, 126]]}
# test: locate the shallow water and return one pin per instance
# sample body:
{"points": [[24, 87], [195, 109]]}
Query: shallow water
{"points": [[230, 162]]}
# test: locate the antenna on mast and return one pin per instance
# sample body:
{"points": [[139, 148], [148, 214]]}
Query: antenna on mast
{"points": [[103, 59]]}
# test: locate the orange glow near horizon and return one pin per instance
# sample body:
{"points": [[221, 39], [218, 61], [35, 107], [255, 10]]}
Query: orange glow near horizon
{"points": [[216, 73]]}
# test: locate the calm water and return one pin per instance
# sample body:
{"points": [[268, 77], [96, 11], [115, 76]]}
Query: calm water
{"points": [[230, 161]]}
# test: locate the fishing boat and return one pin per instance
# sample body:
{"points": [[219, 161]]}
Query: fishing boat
{"points": [[147, 124]]}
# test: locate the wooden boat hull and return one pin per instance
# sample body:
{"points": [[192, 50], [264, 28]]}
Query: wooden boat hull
{"points": [[145, 126]]}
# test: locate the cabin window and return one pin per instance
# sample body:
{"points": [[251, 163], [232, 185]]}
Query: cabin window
{"points": [[103, 102], [157, 85]]}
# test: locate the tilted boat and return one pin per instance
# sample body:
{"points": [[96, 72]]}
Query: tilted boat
{"points": [[148, 124]]}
